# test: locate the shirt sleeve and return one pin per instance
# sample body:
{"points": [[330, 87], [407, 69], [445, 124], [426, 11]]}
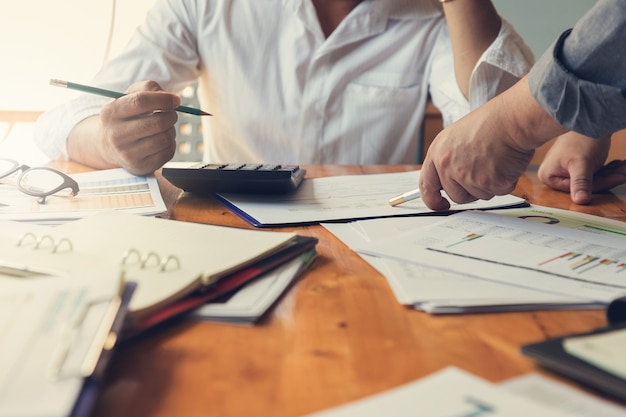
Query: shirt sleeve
{"points": [[580, 79], [506, 60], [54, 126]]}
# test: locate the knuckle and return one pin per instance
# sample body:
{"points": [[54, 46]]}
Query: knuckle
{"points": [[151, 85]]}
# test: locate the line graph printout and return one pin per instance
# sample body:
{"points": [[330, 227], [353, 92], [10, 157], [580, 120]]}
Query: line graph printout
{"points": [[518, 252], [112, 189]]}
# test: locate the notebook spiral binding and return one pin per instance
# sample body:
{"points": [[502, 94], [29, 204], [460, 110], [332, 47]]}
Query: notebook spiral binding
{"points": [[170, 261], [40, 242], [46, 241]]}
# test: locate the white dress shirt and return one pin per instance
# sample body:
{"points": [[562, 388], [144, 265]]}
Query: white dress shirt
{"points": [[281, 92]]}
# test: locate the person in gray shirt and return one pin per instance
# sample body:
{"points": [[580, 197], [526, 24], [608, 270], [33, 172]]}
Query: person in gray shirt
{"points": [[576, 90]]}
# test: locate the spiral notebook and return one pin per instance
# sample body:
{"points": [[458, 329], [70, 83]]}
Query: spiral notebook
{"points": [[169, 260]]}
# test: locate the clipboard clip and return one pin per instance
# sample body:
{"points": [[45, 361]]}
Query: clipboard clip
{"points": [[103, 340]]}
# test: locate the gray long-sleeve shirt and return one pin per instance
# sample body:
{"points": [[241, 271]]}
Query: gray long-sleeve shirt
{"points": [[581, 80]]}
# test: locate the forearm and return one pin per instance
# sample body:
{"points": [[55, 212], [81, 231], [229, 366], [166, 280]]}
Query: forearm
{"points": [[473, 26], [85, 144], [528, 124]]}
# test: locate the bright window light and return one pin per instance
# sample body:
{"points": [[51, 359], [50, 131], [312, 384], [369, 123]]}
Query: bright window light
{"points": [[43, 39], [66, 39]]}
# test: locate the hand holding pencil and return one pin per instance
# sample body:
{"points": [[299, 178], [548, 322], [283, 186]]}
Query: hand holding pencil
{"points": [[136, 131], [115, 94]]}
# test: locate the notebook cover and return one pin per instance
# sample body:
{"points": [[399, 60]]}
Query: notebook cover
{"points": [[221, 287], [552, 356]]}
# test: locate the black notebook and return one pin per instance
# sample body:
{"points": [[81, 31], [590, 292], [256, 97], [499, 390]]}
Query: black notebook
{"points": [[552, 355]]}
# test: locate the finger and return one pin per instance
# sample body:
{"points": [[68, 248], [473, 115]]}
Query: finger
{"points": [[145, 102], [149, 153], [139, 103], [147, 85], [615, 166], [430, 187], [458, 194], [130, 129], [611, 175], [581, 181], [606, 182], [478, 192]]}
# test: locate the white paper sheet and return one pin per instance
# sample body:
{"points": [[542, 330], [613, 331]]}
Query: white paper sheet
{"points": [[571, 401], [448, 393], [439, 291], [605, 350], [516, 252], [344, 198], [111, 189]]}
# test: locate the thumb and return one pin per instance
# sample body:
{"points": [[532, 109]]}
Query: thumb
{"points": [[581, 181]]}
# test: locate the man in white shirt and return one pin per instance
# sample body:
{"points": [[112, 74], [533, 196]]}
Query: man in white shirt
{"points": [[290, 81]]}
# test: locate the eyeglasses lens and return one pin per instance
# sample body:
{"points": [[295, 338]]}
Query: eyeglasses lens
{"points": [[40, 181]]}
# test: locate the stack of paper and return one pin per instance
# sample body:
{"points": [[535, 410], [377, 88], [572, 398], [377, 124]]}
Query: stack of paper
{"points": [[177, 265], [57, 335], [248, 304], [447, 393], [445, 281], [113, 189]]}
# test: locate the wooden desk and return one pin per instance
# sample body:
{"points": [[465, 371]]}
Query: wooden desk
{"points": [[338, 335]]}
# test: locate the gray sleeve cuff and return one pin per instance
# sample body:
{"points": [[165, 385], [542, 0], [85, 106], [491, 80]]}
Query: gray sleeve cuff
{"points": [[589, 108]]}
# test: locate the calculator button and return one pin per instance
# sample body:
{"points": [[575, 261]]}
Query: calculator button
{"points": [[269, 167], [213, 167], [251, 167], [232, 167]]}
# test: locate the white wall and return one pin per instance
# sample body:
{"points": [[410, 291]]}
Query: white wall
{"points": [[43, 39], [540, 22], [66, 39]]}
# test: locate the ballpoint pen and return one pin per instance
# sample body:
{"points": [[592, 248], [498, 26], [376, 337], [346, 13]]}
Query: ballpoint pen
{"points": [[403, 198], [116, 94]]}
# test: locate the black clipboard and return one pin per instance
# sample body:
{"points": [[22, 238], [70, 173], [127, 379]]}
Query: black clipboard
{"points": [[551, 355], [93, 383]]}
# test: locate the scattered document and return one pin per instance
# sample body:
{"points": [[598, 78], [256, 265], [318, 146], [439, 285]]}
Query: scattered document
{"points": [[451, 392], [112, 189], [569, 219], [440, 291], [343, 198], [162, 256], [572, 402], [252, 301], [555, 260], [52, 339], [604, 350], [173, 273]]}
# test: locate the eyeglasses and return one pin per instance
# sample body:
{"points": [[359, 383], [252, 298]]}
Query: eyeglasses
{"points": [[38, 181]]}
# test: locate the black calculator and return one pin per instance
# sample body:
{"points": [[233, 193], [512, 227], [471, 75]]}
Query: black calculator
{"points": [[235, 178]]}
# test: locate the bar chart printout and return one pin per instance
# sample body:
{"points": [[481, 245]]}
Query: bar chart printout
{"points": [[518, 252]]}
